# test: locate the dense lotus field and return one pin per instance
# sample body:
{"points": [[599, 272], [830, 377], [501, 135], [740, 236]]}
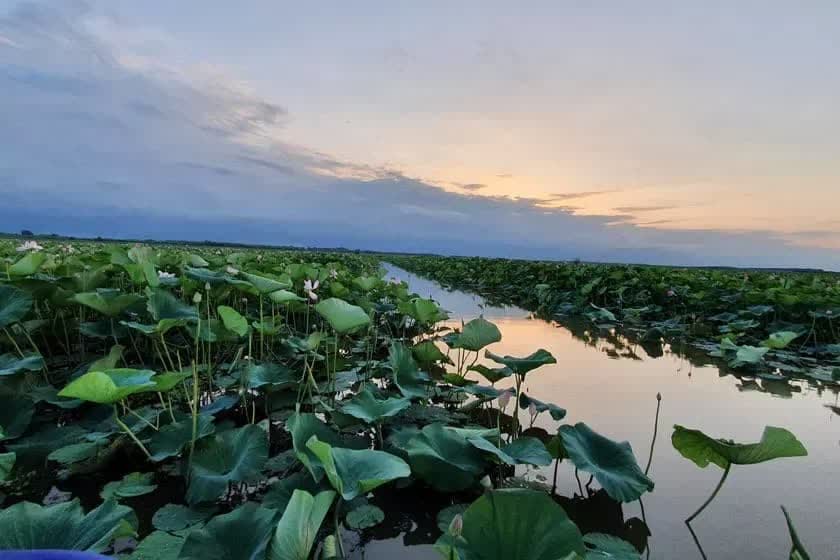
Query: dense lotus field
{"points": [[182, 402], [777, 325]]}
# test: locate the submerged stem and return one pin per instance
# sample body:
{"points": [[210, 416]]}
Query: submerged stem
{"points": [[712, 497]]}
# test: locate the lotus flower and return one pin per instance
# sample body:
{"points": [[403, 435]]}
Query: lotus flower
{"points": [[309, 287], [333, 274], [69, 249], [532, 410], [394, 280], [670, 293], [232, 271], [456, 526], [504, 398], [29, 246], [197, 297], [163, 275]]}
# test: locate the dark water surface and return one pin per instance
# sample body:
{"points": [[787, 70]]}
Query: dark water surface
{"points": [[611, 385]]}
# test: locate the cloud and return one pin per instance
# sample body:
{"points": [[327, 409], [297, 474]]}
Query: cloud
{"points": [[101, 140], [580, 194], [640, 209], [471, 186]]}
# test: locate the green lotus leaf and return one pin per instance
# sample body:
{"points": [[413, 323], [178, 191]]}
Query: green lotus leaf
{"points": [[259, 375], [284, 296], [158, 545], [298, 527], [303, 426], [14, 305], [7, 463], [600, 546], [10, 364], [371, 410], [701, 449], [241, 534], [165, 382], [555, 411], [109, 302], [521, 366], [492, 374], [175, 517], [424, 311], [475, 335], [427, 352], [110, 386], [482, 391], [169, 311], [28, 265], [170, 440], [75, 452], [232, 456], [265, 285], [527, 450], [366, 283], [780, 339], [443, 458], [516, 524], [612, 463], [411, 382], [280, 492], [212, 330], [342, 316], [38, 445], [15, 416], [28, 526], [197, 261], [233, 321], [364, 517], [354, 472], [109, 361], [130, 486]]}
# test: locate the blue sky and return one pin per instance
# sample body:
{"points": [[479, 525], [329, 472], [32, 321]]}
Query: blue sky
{"points": [[660, 132]]}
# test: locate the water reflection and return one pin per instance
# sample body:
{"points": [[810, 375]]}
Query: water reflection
{"points": [[610, 381]]}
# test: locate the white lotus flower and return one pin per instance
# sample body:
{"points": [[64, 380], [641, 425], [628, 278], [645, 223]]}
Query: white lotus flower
{"points": [[259, 257], [232, 271], [163, 275], [456, 526], [504, 398], [29, 246], [394, 280], [69, 249], [309, 288], [333, 274], [532, 410]]}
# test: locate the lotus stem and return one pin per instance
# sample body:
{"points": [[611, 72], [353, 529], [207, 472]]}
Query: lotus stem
{"points": [[655, 428], [149, 424], [554, 482], [128, 431], [577, 477], [712, 497], [194, 415], [12, 340], [337, 523]]}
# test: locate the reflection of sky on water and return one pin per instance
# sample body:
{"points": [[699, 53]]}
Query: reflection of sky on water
{"points": [[617, 398]]}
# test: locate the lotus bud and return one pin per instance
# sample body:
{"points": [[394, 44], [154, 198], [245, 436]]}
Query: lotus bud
{"points": [[532, 410], [659, 396], [504, 399], [456, 526], [197, 297], [207, 286], [486, 482]]}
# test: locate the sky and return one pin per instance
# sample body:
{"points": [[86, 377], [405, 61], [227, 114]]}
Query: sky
{"points": [[653, 131]]}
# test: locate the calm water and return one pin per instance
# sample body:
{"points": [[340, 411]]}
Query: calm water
{"points": [[615, 395]]}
